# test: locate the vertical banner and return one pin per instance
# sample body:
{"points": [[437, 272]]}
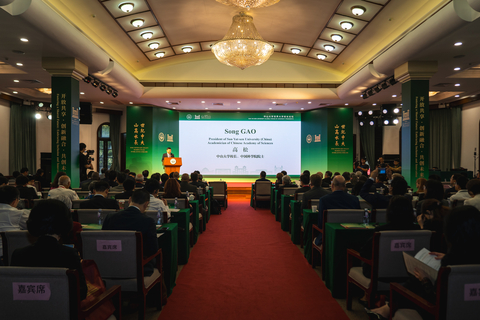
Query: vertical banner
{"points": [[149, 131], [415, 130], [65, 128], [327, 140]]}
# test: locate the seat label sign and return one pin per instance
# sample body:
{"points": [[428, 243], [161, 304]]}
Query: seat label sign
{"points": [[109, 245], [472, 292], [31, 291], [403, 245]]}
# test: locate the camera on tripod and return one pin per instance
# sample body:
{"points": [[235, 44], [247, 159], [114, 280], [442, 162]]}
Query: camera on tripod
{"points": [[89, 154]]}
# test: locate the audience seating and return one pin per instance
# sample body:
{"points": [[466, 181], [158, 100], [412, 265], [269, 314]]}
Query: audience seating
{"points": [[154, 215], [219, 192], [364, 204], [76, 203], [332, 216], [456, 298], [13, 240], [289, 191], [61, 299], [311, 203], [90, 216], [379, 215], [182, 203], [130, 275], [457, 203], [385, 263], [261, 192]]}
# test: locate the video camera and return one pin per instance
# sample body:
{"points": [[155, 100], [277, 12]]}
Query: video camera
{"points": [[89, 154]]}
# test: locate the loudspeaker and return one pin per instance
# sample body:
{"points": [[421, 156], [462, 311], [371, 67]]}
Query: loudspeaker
{"points": [[85, 113]]}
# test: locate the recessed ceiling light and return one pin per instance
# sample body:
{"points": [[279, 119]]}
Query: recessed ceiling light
{"points": [[167, 101], [374, 104], [396, 110], [457, 44], [174, 108], [385, 111], [346, 104], [309, 102], [360, 113], [329, 47], [131, 102], [358, 10], [187, 49], [24, 39], [147, 35], [457, 84], [206, 108], [361, 123], [401, 104], [238, 108], [82, 92], [16, 80], [456, 69], [160, 54], [386, 121], [49, 117], [101, 102], [346, 25], [336, 37], [295, 50], [38, 116], [370, 112], [126, 7], [394, 95], [269, 108], [203, 101], [137, 23], [321, 56], [457, 96], [372, 123], [153, 45], [395, 121], [238, 101], [274, 102], [19, 64], [15, 92]]}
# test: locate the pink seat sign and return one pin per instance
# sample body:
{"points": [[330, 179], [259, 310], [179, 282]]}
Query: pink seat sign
{"points": [[31, 291]]}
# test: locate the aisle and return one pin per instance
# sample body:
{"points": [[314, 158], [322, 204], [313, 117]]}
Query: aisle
{"points": [[245, 267]]}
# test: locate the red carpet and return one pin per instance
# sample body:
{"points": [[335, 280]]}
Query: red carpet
{"points": [[245, 267]]}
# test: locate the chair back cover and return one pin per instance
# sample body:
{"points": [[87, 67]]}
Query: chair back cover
{"points": [[289, 191], [391, 246], [344, 216], [364, 204], [263, 188], [299, 196], [113, 251], [181, 202], [90, 216], [15, 239], [381, 215], [34, 293], [463, 298]]}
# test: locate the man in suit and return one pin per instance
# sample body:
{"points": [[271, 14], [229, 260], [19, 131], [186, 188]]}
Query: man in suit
{"points": [[305, 180], [185, 186], [195, 182], [120, 179], [128, 186], [327, 181], [168, 154], [379, 201], [100, 199], [338, 199], [25, 192], [316, 192], [133, 219], [263, 176]]}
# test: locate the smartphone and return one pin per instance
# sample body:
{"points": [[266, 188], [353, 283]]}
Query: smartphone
{"points": [[382, 171]]}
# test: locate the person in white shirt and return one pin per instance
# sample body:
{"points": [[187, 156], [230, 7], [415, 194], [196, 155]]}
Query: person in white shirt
{"points": [[461, 187], [473, 187], [11, 218], [152, 186], [63, 193]]}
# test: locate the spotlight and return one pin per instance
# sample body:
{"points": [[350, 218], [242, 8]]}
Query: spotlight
{"points": [[154, 45], [364, 95], [137, 23], [321, 56], [358, 10], [361, 123], [346, 25], [38, 116], [360, 113], [395, 121], [329, 47], [49, 117], [385, 111], [370, 112], [377, 89], [95, 83], [396, 110], [386, 122], [40, 104], [384, 85], [392, 81], [109, 90], [160, 54], [103, 87], [147, 35], [336, 37], [126, 7], [370, 92], [295, 50], [114, 94], [88, 79], [372, 123]]}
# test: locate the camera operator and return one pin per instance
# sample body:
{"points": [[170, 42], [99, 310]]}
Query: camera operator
{"points": [[85, 162]]}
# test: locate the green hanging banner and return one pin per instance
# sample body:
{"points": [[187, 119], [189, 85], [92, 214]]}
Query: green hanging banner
{"points": [[65, 128]]}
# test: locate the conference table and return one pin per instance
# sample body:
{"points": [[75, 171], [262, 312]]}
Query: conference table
{"points": [[337, 240], [296, 207]]}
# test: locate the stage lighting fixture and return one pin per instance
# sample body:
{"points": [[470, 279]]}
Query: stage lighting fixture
{"points": [[370, 92], [386, 122], [395, 121], [364, 95], [38, 116], [360, 113], [372, 123], [370, 112], [392, 81], [396, 110], [377, 89], [103, 87], [95, 83], [109, 90], [88, 79], [384, 85], [361, 123], [114, 94], [385, 111], [49, 117]]}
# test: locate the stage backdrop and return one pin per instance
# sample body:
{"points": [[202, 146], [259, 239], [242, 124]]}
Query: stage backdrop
{"points": [[236, 144]]}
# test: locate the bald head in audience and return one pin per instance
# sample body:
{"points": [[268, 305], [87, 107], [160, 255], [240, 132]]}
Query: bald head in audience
{"points": [[338, 183]]}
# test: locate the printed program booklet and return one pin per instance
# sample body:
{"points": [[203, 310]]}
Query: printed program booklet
{"points": [[424, 261]]}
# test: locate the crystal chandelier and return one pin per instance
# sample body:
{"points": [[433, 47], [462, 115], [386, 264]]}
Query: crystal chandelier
{"points": [[249, 4], [243, 46]]}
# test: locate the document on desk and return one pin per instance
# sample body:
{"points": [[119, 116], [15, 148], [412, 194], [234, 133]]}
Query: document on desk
{"points": [[424, 262]]}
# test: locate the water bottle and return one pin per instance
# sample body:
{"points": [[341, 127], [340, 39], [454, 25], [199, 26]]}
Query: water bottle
{"points": [[159, 216], [99, 216], [187, 195], [381, 190], [176, 202], [366, 219], [415, 212]]}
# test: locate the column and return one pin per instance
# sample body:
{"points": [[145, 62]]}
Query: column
{"points": [[414, 76], [66, 74]]}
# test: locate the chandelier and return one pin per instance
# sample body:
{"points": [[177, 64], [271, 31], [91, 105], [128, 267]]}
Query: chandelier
{"points": [[249, 4], [242, 46]]}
